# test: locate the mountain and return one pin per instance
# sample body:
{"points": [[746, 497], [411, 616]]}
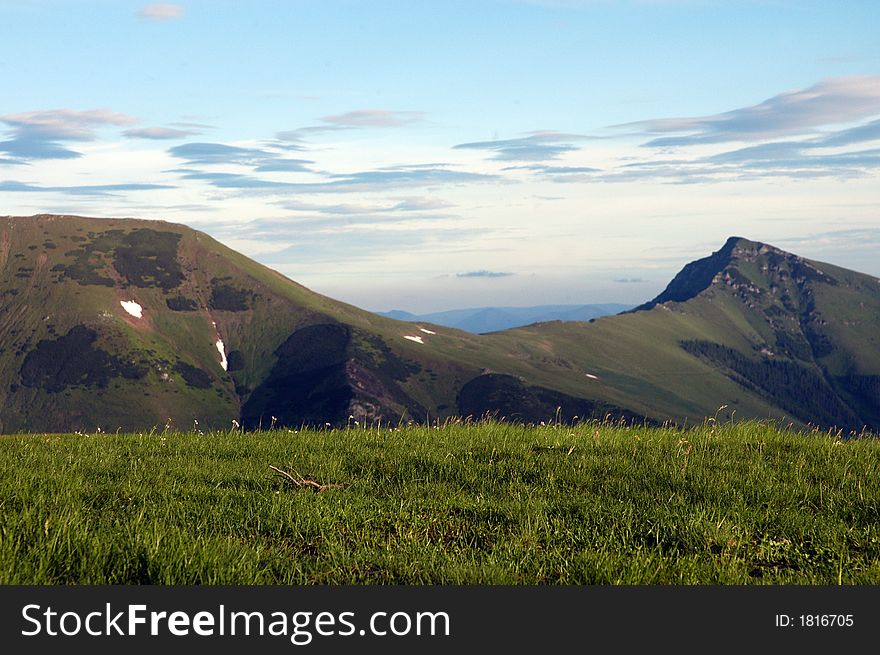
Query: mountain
{"points": [[130, 324], [480, 320], [765, 332]]}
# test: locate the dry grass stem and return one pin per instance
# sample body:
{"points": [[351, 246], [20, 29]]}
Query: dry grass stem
{"points": [[300, 482]]}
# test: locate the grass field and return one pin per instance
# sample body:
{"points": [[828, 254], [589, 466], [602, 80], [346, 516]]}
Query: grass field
{"points": [[488, 503]]}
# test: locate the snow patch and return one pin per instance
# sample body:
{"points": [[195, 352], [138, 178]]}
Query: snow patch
{"points": [[132, 308], [591, 376], [416, 339], [427, 331], [222, 349]]}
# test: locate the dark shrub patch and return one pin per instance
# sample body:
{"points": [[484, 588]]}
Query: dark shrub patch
{"points": [[194, 377], [506, 396], [86, 268], [308, 384], [864, 394], [73, 361], [794, 345], [181, 304], [147, 258], [385, 363], [799, 389], [234, 361], [226, 297]]}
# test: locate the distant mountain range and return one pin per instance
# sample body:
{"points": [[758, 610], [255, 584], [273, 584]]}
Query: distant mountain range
{"points": [[130, 324], [481, 320]]}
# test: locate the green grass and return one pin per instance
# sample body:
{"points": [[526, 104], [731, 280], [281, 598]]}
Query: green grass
{"points": [[480, 503]]}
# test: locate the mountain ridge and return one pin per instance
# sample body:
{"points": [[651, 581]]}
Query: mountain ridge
{"points": [[133, 324]]}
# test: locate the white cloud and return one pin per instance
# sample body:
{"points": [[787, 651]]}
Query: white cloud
{"points": [[161, 11]]}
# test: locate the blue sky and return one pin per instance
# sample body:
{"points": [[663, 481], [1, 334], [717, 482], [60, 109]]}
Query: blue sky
{"points": [[430, 155]]}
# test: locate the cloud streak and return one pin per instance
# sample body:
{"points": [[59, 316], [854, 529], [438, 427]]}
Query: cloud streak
{"points": [[260, 159], [409, 205], [483, 274], [832, 101], [353, 120], [401, 177], [41, 134], [158, 133], [85, 190], [537, 146]]}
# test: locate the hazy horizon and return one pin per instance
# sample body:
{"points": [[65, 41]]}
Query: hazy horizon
{"points": [[443, 155]]}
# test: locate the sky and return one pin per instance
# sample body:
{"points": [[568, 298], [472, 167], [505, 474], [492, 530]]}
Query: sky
{"points": [[443, 154]]}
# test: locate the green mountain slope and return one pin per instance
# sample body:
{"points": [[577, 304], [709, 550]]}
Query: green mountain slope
{"points": [[768, 333], [72, 356], [130, 324]]}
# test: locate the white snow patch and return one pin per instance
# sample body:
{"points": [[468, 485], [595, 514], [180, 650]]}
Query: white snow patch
{"points": [[416, 339], [591, 376], [132, 308], [222, 350], [427, 331]]}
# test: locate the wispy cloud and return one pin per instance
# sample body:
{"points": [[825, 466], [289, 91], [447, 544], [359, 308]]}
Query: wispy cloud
{"points": [[300, 134], [234, 180], [408, 205], [483, 274], [345, 239], [537, 146], [191, 124], [161, 12], [630, 280], [401, 177], [833, 101], [284, 165], [816, 156], [396, 178], [84, 190], [219, 153], [260, 159], [802, 134], [559, 173], [158, 133], [418, 204], [353, 120], [374, 118], [867, 238], [41, 134]]}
